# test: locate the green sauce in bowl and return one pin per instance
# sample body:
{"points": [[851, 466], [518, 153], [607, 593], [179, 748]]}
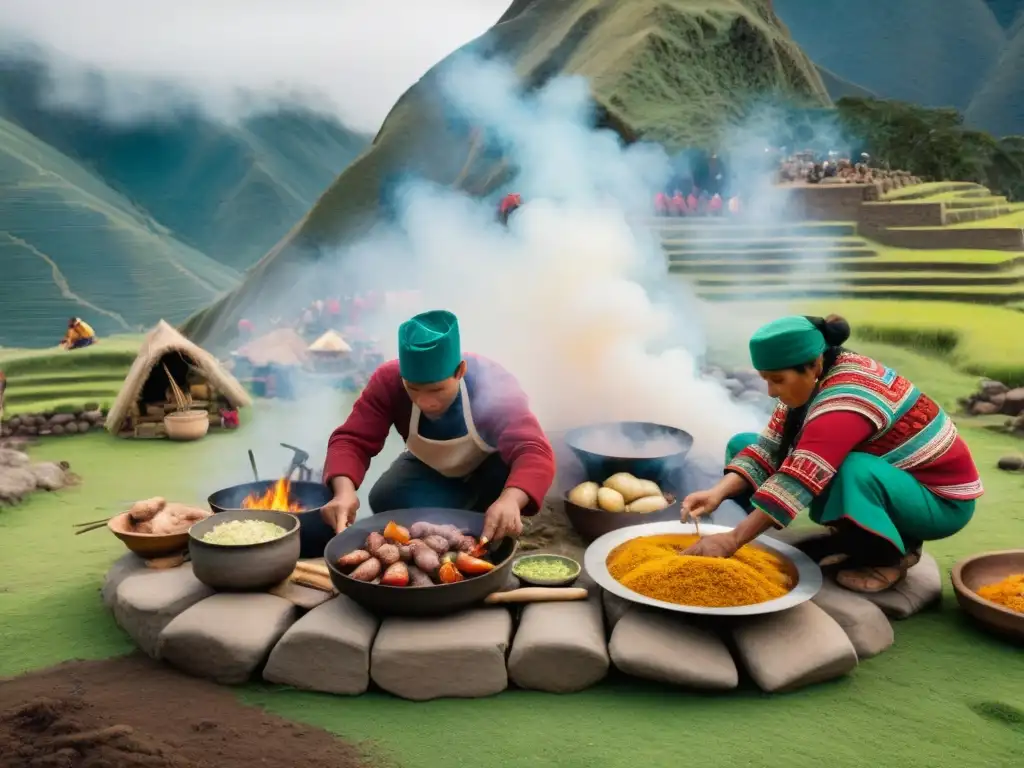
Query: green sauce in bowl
{"points": [[546, 570]]}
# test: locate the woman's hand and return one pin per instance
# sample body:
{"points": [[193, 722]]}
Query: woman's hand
{"points": [[715, 545], [700, 503]]}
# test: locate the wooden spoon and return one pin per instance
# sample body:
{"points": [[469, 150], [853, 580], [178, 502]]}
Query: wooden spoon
{"points": [[537, 595]]}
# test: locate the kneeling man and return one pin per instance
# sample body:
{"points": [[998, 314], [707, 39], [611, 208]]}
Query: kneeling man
{"points": [[471, 440]]}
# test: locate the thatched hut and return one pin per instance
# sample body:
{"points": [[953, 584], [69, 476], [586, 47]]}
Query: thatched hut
{"points": [[270, 363], [146, 394]]}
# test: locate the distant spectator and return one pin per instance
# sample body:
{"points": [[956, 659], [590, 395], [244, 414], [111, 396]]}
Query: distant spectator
{"points": [[509, 203], [678, 204], [715, 205], [691, 201], [79, 334], [661, 204], [734, 205]]}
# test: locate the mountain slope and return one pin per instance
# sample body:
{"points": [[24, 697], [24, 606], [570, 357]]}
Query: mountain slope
{"points": [[922, 51], [70, 245], [230, 192], [999, 104], [674, 71]]}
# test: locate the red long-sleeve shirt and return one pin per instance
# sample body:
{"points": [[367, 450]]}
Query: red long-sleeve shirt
{"points": [[501, 414]]}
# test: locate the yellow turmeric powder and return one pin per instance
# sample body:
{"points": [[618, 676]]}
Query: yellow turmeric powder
{"points": [[1008, 593], [653, 566]]}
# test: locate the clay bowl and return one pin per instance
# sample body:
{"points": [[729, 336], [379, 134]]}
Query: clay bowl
{"points": [[184, 426], [147, 545], [248, 568], [977, 571], [438, 600], [538, 582]]}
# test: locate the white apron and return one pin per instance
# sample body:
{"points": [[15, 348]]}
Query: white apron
{"points": [[458, 457]]}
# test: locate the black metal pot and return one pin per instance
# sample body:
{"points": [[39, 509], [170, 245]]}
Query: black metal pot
{"points": [[311, 496], [662, 469], [438, 600]]}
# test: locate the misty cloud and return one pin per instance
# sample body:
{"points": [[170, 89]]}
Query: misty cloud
{"points": [[130, 60]]}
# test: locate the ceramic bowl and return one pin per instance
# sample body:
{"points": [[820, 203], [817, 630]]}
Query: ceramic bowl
{"points": [[248, 568], [542, 558], [147, 545], [977, 571]]}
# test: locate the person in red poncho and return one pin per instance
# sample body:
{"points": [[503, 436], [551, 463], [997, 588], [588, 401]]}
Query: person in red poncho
{"points": [[508, 204], [245, 328], [661, 204], [471, 440]]}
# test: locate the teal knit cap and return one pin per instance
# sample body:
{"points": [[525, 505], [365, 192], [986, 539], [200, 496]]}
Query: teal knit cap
{"points": [[785, 343], [429, 347]]}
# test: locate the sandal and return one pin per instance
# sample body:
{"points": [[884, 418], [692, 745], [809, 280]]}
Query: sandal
{"points": [[872, 580]]}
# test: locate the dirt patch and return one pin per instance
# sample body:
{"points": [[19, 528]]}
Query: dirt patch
{"points": [[132, 713], [550, 530]]}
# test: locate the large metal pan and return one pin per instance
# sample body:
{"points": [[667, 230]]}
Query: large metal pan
{"points": [[418, 601], [311, 496], [631, 436], [804, 570]]}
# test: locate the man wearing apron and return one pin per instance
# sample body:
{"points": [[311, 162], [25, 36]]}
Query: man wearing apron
{"points": [[471, 440]]}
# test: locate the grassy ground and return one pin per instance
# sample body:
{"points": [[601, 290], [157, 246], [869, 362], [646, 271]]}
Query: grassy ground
{"points": [[944, 696], [54, 379]]}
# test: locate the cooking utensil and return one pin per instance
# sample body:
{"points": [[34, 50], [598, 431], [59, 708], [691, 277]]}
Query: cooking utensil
{"points": [[310, 496], [147, 545], [976, 571], [249, 567], [804, 571], [591, 523], [437, 600], [537, 595], [659, 467], [252, 463], [564, 581]]}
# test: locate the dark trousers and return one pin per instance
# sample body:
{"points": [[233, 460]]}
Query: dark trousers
{"points": [[409, 483]]}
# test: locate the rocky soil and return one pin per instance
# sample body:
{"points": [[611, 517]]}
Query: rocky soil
{"points": [[19, 476], [90, 417]]}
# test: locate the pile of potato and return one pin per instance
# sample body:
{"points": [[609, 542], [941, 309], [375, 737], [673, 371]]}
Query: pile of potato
{"points": [[622, 492]]}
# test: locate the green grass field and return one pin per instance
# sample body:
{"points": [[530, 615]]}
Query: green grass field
{"points": [[946, 695]]}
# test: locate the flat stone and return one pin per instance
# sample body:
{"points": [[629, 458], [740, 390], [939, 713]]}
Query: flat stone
{"points": [[305, 598], [122, 568], [559, 647], [226, 637], [656, 645], [790, 649], [615, 608], [921, 588], [864, 622], [146, 601], [327, 650], [459, 656]]}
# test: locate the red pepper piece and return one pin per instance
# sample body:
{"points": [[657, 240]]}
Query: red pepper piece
{"points": [[472, 566]]}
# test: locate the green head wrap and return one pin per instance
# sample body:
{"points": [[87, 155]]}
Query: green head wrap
{"points": [[429, 348], [785, 343]]}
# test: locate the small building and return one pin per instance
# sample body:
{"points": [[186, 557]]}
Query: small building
{"points": [[146, 395], [330, 353], [271, 364]]}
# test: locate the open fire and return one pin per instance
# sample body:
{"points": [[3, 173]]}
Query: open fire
{"points": [[277, 497]]}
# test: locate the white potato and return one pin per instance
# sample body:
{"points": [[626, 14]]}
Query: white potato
{"points": [[650, 488], [585, 495], [648, 504], [626, 484], [611, 500]]}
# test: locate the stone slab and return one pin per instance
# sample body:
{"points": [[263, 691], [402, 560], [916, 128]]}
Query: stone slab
{"points": [[147, 600], [304, 598], [669, 648], [458, 656], [327, 650], [559, 647], [791, 649], [122, 568], [226, 637], [921, 588], [864, 622], [614, 608]]}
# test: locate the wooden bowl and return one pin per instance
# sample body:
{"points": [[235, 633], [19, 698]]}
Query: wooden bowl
{"points": [[977, 571], [187, 425], [147, 545]]}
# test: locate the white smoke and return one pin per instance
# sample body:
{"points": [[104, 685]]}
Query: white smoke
{"points": [[134, 60], [562, 298]]}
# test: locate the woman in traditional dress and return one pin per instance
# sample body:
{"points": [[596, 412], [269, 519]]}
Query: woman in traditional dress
{"points": [[874, 458]]}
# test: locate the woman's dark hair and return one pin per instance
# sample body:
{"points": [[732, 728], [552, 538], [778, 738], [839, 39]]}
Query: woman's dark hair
{"points": [[836, 331]]}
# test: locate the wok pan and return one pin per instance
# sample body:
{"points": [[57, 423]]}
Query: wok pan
{"points": [[631, 435], [311, 496], [438, 600]]}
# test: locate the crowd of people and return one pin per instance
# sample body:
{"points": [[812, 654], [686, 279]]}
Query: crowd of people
{"points": [[809, 167], [698, 203]]}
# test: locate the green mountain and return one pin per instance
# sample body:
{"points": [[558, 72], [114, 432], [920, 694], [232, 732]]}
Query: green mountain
{"points": [[999, 104], [674, 71], [70, 245], [939, 54], [229, 191]]}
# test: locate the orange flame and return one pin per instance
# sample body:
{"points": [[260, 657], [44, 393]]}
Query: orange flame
{"points": [[277, 497]]}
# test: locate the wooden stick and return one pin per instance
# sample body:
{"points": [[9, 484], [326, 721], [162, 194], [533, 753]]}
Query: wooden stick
{"points": [[537, 595], [314, 582], [91, 527], [316, 569]]}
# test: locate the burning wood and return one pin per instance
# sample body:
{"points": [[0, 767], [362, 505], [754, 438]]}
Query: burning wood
{"points": [[277, 497]]}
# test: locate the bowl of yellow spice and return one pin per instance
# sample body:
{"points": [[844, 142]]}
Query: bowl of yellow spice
{"points": [[990, 588]]}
